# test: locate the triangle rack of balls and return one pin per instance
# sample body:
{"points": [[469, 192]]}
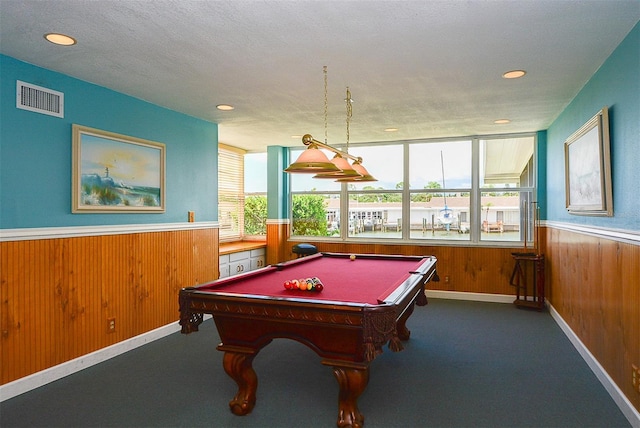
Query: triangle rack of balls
{"points": [[305, 284]]}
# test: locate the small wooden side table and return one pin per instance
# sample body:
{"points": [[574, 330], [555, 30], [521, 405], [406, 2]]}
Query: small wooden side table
{"points": [[528, 265]]}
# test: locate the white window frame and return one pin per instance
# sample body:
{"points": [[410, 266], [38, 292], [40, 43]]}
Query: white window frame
{"points": [[475, 212]]}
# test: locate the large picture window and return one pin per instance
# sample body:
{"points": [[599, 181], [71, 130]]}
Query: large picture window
{"points": [[470, 190]]}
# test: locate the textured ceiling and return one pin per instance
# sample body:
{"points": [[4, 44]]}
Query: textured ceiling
{"points": [[428, 68]]}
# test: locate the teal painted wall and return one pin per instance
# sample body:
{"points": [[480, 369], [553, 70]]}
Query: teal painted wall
{"points": [[277, 183], [616, 85], [541, 151], [36, 152]]}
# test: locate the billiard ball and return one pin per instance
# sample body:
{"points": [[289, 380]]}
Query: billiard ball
{"points": [[352, 257]]}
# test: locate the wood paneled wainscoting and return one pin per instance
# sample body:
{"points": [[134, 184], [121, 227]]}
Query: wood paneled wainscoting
{"points": [[461, 269], [59, 294], [278, 249], [594, 285]]}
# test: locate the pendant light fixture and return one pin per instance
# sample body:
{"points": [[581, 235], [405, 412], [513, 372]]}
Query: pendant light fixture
{"points": [[315, 161]]}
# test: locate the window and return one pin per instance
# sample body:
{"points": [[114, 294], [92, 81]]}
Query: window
{"points": [[375, 208], [230, 193], [315, 204], [440, 190], [459, 190], [255, 194], [507, 189]]}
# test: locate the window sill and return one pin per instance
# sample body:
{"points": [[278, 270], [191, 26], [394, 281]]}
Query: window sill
{"points": [[236, 246]]}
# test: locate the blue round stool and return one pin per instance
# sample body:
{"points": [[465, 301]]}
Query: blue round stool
{"points": [[304, 249]]}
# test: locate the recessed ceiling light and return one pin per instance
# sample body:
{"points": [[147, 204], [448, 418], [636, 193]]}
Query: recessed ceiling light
{"points": [[390, 129], [60, 39], [225, 107], [501, 121], [514, 74]]}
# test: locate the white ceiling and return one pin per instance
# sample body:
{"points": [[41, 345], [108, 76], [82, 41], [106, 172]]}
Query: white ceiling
{"points": [[429, 68]]}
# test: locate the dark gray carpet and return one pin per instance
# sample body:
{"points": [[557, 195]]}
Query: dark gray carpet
{"points": [[468, 364]]}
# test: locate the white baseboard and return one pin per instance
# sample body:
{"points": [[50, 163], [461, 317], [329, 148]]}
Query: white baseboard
{"points": [[36, 380], [477, 297], [626, 407]]}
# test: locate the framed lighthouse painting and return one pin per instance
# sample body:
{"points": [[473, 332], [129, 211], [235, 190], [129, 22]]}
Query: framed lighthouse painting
{"points": [[114, 173]]}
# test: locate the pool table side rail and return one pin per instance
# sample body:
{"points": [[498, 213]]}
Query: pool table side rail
{"points": [[344, 331], [370, 256], [425, 273]]}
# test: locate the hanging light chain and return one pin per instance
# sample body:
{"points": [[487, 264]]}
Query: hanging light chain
{"points": [[325, 104], [349, 114]]}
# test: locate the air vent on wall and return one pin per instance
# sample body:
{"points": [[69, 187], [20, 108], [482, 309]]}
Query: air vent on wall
{"points": [[38, 99]]}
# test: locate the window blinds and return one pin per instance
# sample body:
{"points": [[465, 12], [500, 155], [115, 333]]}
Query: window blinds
{"points": [[230, 192]]}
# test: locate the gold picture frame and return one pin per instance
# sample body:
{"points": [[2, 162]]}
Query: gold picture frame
{"points": [[588, 168], [114, 173]]}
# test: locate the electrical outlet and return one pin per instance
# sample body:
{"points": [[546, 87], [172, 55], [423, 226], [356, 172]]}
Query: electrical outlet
{"points": [[111, 325], [446, 278], [635, 377], [191, 216]]}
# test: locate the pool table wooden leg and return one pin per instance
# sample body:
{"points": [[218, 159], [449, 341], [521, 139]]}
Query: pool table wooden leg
{"points": [[352, 382], [238, 366]]}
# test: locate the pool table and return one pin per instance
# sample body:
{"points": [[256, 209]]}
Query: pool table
{"points": [[364, 305]]}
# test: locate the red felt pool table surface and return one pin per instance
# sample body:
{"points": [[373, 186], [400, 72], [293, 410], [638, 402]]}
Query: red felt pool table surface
{"points": [[365, 280]]}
